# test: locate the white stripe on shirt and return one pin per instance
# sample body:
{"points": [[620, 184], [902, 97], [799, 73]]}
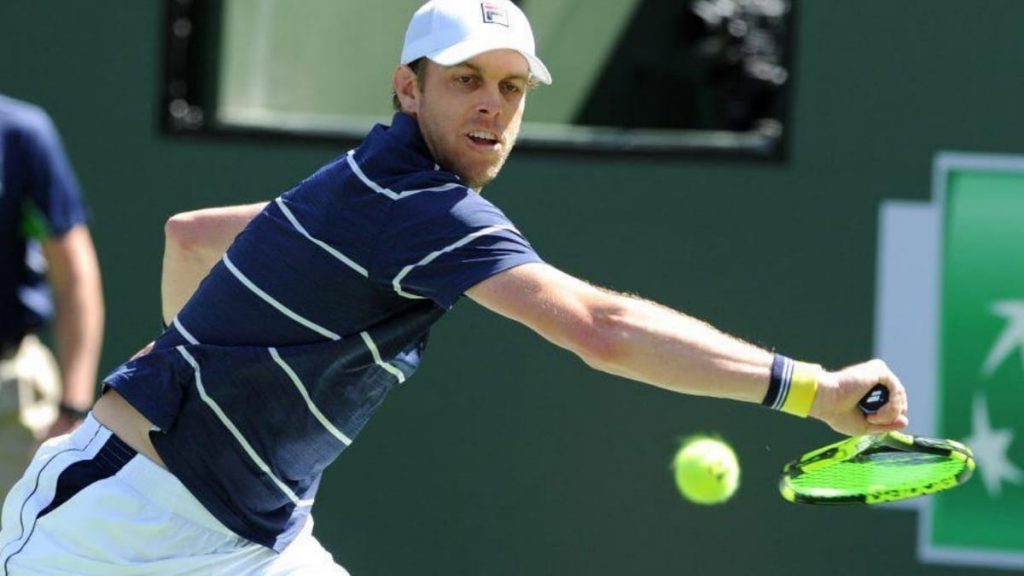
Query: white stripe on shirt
{"points": [[188, 336], [238, 434], [330, 249], [397, 282], [380, 362], [309, 401], [280, 307], [390, 193]]}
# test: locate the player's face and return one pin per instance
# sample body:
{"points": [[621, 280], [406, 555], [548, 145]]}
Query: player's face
{"points": [[470, 113]]}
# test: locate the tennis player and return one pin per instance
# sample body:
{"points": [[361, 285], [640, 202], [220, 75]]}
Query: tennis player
{"points": [[205, 453]]}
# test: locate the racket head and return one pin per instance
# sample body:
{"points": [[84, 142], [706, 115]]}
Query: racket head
{"points": [[875, 469]]}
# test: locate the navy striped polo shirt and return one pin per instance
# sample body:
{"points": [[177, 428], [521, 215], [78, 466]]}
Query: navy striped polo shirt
{"points": [[319, 308]]}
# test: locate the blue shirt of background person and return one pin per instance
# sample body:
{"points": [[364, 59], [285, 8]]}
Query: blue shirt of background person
{"points": [[39, 195]]}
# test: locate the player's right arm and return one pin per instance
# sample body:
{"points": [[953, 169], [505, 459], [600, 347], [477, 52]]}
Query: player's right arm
{"points": [[193, 243], [638, 339]]}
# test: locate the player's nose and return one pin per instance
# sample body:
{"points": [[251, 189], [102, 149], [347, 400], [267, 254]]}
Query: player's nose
{"points": [[489, 100]]}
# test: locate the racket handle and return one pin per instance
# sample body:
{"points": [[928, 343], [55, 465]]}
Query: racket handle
{"points": [[873, 401]]}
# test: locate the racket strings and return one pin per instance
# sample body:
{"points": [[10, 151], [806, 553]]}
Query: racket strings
{"points": [[879, 471]]}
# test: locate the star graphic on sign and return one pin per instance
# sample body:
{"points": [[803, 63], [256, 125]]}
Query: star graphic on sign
{"points": [[990, 447], [1012, 336]]}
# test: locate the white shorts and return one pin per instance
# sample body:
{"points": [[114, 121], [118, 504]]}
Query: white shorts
{"points": [[69, 516]]}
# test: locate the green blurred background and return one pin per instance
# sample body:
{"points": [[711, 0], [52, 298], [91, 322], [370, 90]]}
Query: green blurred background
{"points": [[504, 455]]}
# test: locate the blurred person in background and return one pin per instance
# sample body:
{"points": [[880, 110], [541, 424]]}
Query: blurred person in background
{"points": [[48, 273]]}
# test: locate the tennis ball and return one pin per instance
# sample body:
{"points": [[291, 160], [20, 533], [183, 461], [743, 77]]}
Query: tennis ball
{"points": [[706, 470]]}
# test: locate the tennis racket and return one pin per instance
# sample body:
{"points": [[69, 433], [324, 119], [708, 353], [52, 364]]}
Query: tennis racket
{"points": [[873, 469]]}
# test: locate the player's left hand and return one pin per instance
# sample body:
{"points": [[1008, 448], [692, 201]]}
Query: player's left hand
{"points": [[839, 393]]}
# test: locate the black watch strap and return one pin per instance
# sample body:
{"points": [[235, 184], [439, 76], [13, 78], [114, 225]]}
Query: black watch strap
{"points": [[72, 412]]}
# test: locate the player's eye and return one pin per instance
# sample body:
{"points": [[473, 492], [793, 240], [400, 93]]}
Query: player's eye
{"points": [[512, 88]]}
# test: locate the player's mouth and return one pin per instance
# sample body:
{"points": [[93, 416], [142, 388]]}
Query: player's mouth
{"points": [[484, 139]]}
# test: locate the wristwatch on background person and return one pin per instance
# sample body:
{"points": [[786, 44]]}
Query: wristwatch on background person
{"points": [[72, 412]]}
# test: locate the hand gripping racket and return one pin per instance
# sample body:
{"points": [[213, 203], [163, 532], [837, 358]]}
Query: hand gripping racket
{"points": [[873, 469]]}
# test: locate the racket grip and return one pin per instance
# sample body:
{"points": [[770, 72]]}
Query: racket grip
{"points": [[873, 401]]}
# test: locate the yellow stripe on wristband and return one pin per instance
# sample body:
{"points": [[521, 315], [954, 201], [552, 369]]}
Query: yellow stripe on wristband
{"points": [[802, 389]]}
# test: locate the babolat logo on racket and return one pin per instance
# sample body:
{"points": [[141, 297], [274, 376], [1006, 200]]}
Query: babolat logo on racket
{"points": [[494, 14], [875, 396]]}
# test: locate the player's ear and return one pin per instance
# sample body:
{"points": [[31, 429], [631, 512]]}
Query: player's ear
{"points": [[406, 87]]}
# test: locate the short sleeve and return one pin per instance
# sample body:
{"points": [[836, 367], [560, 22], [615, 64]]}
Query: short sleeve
{"points": [[437, 245], [51, 184]]}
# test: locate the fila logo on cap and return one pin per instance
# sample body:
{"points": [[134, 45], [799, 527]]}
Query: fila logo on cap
{"points": [[494, 14]]}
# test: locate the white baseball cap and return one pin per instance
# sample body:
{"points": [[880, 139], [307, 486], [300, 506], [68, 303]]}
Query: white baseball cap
{"points": [[450, 32]]}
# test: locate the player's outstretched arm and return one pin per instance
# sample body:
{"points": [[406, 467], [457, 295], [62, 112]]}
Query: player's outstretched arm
{"points": [[647, 342], [194, 242]]}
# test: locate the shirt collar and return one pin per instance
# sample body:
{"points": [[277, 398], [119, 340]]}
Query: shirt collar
{"points": [[404, 133]]}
